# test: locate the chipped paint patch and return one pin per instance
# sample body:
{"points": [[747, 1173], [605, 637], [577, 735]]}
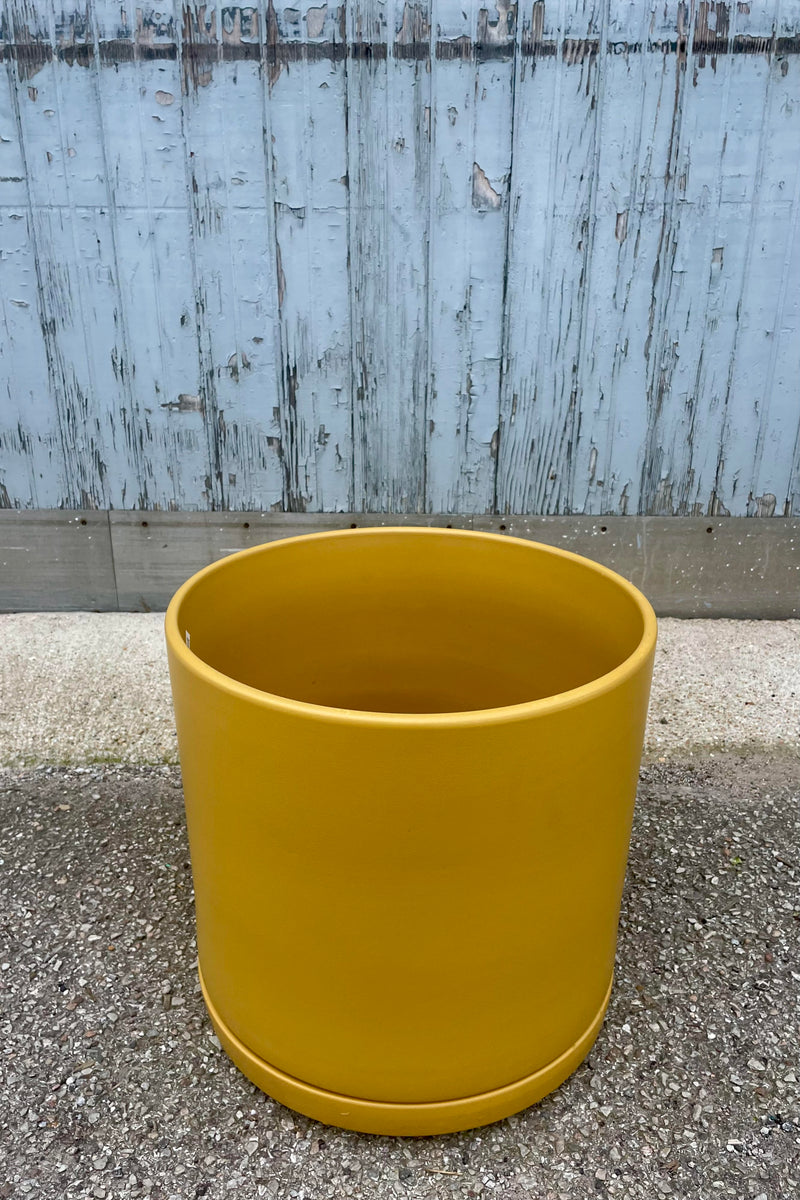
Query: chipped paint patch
{"points": [[315, 20], [484, 195]]}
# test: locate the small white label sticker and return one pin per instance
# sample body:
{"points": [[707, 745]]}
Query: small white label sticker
{"points": [[188, 640]]}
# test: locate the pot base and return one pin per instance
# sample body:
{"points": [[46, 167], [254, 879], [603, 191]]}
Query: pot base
{"points": [[404, 1120]]}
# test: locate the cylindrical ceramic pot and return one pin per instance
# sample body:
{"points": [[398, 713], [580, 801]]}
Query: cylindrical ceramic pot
{"points": [[409, 759]]}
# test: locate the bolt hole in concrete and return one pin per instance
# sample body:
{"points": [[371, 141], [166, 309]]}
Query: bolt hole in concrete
{"points": [[604, 529], [246, 525], [83, 520], [710, 529], [423, 621], [144, 524]]}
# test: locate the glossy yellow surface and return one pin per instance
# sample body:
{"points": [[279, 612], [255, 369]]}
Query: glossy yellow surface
{"points": [[409, 760]]}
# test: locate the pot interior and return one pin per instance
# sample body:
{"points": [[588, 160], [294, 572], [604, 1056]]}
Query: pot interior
{"points": [[410, 621]]}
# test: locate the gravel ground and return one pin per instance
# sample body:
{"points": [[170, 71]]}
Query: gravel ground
{"points": [[113, 1084], [93, 687]]}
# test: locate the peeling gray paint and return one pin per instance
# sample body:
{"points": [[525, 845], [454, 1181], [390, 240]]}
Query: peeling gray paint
{"points": [[416, 257], [484, 196]]}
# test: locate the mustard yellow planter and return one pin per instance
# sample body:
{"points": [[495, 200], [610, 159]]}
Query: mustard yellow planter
{"points": [[409, 759]]}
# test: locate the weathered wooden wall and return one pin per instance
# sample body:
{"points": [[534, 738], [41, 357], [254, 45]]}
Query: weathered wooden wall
{"points": [[432, 257]]}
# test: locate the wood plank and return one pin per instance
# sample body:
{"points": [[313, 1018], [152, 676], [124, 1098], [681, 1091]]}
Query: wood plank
{"points": [[56, 562], [727, 102], [32, 467], [760, 434], [138, 89], [71, 236], [32, 463], [631, 226], [555, 118], [739, 567], [389, 103], [307, 102], [155, 554], [693, 303], [613, 329], [470, 215], [689, 567], [233, 255], [33, 470]]}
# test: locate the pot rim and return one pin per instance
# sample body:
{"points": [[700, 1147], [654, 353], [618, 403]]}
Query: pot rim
{"points": [[480, 716]]}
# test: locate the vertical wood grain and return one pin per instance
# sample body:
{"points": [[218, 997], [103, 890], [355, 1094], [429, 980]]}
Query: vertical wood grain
{"points": [[411, 257], [472, 119], [553, 197], [631, 142], [760, 431], [137, 78], [388, 143], [307, 102], [689, 289], [32, 465], [658, 189], [75, 290], [232, 254]]}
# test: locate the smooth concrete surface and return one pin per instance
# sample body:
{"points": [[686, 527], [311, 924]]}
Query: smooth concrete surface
{"points": [[83, 688]]}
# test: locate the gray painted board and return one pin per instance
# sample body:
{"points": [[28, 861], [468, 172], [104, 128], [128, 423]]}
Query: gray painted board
{"points": [[529, 258], [155, 554], [691, 567], [56, 561]]}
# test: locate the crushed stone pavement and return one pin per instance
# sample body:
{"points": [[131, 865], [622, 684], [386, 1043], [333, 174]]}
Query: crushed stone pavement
{"points": [[113, 1084], [92, 687]]}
